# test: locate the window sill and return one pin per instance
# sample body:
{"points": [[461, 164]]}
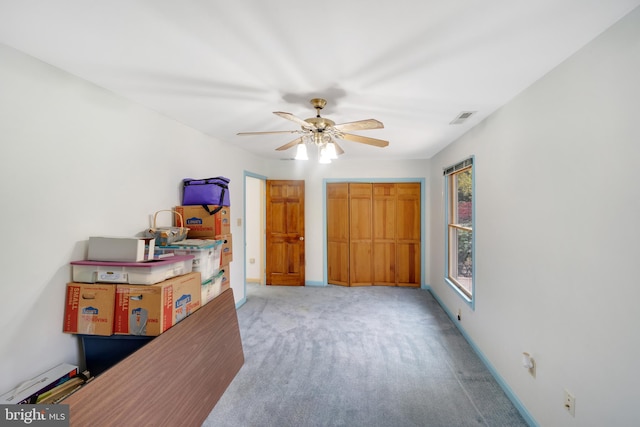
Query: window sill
{"points": [[464, 296]]}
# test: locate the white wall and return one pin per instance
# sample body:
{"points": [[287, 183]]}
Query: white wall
{"points": [[557, 245], [79, 161], [254, 229]]}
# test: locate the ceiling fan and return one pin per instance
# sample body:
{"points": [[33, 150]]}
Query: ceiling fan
{"points": [[323, 132]]}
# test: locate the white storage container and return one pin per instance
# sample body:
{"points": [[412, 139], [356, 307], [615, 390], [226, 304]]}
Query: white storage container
{"points": [[121, 249], [211, 288], [207, 255], [132, 273]]}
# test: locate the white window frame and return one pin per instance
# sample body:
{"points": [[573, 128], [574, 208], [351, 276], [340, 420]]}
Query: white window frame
{"points": [[451, 228]]}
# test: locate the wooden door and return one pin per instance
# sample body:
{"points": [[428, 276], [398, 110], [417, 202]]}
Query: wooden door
{"points": [[384, 234], [338, 234], [285, 233], [408, 234], [360, 235]]}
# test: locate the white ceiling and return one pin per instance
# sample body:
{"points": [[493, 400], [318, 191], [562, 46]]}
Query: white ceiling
{"points": [[224, 66]]}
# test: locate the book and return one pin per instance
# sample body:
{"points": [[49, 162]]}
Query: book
{"points": [[51, 396], [28, 391]]}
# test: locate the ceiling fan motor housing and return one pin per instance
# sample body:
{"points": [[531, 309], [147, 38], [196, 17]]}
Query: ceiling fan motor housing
{"points": [[320, 123]]}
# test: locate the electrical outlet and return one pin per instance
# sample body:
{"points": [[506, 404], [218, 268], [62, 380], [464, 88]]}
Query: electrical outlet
{"points": [[529, 363], [570, 403]]}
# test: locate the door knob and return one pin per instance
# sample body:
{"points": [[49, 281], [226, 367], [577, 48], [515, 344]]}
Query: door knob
{"points": [[301, 237]]}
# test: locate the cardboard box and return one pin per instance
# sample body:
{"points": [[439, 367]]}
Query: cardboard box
{"points": [[226, 277], [121, 249], [89, 309], [227, 248], [149, 310], [203, 225]]}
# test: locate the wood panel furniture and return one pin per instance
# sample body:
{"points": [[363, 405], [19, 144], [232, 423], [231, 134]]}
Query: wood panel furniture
{"points": [[374, 234], [174, 380]]}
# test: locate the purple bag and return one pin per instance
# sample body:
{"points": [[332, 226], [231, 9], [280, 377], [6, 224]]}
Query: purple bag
{"points": [[204, 192]]}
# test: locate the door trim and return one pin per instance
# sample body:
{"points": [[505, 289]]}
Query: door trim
{"points": [[263, 178]]}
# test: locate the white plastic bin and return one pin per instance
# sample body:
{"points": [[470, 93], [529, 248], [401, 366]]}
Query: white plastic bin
{"points": [[211, 288], [132, 273], [207, 255]]}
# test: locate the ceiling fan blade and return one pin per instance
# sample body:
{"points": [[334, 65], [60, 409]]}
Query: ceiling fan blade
{"points": [[290, 144], [339, 149], [360, 125], [267, 133], [295, 119], [365, 140]]}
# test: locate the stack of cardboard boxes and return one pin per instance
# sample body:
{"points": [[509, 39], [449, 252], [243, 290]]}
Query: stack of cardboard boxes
{"points": [[111, 305], [133, 297], [138, 296], [130, 298]]}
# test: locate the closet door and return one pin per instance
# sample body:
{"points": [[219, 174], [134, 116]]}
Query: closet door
{"points": [[408, 234], [360, 235], [384, 234], [374, 234], [338, 233]]}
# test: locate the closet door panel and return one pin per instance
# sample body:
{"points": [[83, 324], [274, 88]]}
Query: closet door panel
{"points": [[360, 264], [360, 234], [384, 212], [384, 234], [338, 234], [409, 219], [384, 264], [338, 263], [408, 272]]}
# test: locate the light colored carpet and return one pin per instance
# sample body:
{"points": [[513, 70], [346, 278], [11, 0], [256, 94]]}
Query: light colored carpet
{"points": [[372, 356]]}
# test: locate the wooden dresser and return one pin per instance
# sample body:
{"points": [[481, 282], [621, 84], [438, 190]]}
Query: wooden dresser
{"points": [[174, 380]]}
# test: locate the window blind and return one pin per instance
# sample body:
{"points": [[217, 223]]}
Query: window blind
{"points": [[458, 166]]}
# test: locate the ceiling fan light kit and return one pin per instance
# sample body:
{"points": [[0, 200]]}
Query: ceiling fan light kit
{"points": [[301, 153], [323, 132]]}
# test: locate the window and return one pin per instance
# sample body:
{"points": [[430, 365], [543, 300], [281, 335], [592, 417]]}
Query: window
{"points": [[459, 214]]}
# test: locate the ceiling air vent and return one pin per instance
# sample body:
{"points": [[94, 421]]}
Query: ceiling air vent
{"points": [[460, 118]]}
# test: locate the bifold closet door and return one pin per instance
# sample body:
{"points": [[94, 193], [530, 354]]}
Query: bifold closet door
{"points": [[373, 234]]}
